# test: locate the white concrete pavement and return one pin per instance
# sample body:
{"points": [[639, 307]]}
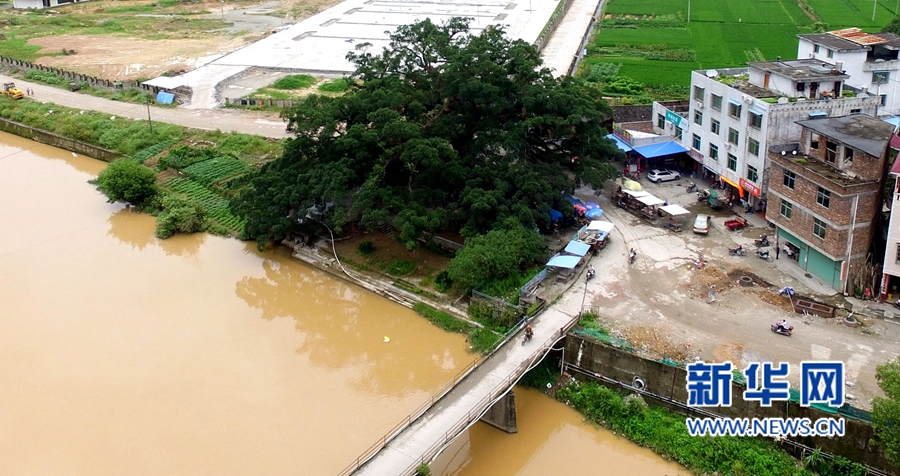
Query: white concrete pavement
{"points": [[440, 424], [563, 47]]}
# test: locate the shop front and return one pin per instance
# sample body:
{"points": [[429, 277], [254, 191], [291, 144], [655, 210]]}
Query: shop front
{"points": [[810, 259]]}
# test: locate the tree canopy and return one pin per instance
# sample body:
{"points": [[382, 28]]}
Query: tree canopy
{"points": [[442, 131], [127, 179], [886, 411]]}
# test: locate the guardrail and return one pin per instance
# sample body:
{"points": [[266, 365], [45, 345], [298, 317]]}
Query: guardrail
{"points": [[443, 391]]}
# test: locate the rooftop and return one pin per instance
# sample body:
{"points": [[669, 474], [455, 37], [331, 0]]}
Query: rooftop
{"points": [[802, 69], [791, 153], [853, 39], [859, 131]]}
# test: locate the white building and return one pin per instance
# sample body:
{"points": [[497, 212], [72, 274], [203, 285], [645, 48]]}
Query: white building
{"points": [[871, 61], [890, 281], [42, 3], [736, 114]]}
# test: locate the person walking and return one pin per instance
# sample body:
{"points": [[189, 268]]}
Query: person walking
{"points": [[777, 251], [712, 293]]}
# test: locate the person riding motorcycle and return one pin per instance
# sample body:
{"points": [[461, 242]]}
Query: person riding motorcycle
{"points": [[781, 325], [632, 254], [591, 272], [529, 332]]}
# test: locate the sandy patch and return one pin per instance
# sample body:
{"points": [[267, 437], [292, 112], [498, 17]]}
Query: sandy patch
{"points": [[125, 58]]}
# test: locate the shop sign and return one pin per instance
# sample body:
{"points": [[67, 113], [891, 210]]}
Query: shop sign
{"points": [[753, 189]]}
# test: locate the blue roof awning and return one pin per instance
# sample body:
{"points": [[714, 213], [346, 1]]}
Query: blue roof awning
{"points": [[555, 215], [661, 149], [577, 248], [567, 262], [572, 199], [758, 112], [736, 103], [619, 143]]}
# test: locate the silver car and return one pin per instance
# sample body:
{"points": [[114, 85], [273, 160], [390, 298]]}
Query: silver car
{"points": [[663, 175], [701, 224]]}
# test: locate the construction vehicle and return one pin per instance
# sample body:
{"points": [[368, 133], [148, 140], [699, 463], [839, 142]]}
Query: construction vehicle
{"points": [[10, 89]]}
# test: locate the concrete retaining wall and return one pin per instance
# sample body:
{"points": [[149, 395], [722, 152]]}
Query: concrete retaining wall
{"points": [[666, 384], [49, 138]]}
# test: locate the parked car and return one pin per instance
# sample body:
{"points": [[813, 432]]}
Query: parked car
{"points": [[701, 224], [663, 175]]}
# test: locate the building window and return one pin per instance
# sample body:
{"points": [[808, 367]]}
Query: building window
{"points": [[787, 208], [823, 197], [814, 141], [752, 174], [698, 93], [714, 152], [830, 54], [819, 228], [660, 121], [755, 120], [815, 48], [789, 178], [883, 99], [696, 142], [830, 151], [698, 118], [734, 110], [880, 77], [714, 127], [753, 147], [848, 154], [855, 111], [733, 136], [732, 163], [717, 102], [678, 133], [897, 259]]}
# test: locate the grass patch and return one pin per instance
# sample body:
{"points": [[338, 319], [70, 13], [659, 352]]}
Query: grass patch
{"points": [[400, 268], [441, 319], [335, 86], [483, 340], [294, 81]]}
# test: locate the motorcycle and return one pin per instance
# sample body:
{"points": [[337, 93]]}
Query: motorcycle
{"points": [[779, 330], [764, 255], [702, 196], [631, 257], [528, 336], [762, 241], [590, 274], [691, 187], [740, 250], [897, 304]]}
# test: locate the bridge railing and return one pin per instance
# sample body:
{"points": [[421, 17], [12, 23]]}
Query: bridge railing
{"points": [[482, 406], [421, 409]]}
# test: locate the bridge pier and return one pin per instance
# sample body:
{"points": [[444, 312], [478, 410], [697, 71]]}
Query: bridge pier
{"points": [[502, 414]]}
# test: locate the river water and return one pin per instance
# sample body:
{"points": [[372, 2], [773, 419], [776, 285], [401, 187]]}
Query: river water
{"points": [[124, 354]]}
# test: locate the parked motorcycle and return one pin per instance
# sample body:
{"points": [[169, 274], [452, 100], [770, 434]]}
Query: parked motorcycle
{"points": [[740, 250], [762, 241], [764, 255], [702, 196], [691, 187], [779, 330]]}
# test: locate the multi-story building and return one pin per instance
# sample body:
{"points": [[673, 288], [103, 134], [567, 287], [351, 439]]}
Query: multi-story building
{"points": [[736, 113], [826, 194], [870, 59], [42, 3]]}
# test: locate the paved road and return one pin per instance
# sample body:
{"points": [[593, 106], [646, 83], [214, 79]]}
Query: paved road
{"points": [[247, 122], [566, 40], [446, 419]]}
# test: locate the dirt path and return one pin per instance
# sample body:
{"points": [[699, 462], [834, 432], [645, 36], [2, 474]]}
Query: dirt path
{"points": [[660, 303], [247, 122]]}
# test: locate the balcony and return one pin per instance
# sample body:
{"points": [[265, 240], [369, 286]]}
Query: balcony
{"points": [[881, 65]]}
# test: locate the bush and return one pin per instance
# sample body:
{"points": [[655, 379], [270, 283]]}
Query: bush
{"points": [[184, 156], [128, 180], [179, 215], [440, 318], [335, 86], [44, 77], [296, 81], [442, 282], [365, 248], [495, 256], [603, 71]]}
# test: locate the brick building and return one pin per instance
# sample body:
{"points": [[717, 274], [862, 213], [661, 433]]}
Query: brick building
{"points": [[825, 194]]}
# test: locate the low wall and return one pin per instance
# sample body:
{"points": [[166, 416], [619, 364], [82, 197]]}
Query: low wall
{"points": [[49, 138], [665, 385]]}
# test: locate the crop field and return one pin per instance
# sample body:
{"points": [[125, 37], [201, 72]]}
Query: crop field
{"points": [[213, 170], [719, 33], [215, 206]]}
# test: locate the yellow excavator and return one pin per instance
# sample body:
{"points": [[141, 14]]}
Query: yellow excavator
{"points": [[10, 89]]}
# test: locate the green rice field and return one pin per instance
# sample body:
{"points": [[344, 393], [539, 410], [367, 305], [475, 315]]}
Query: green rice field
{"points": [[720, 33]]}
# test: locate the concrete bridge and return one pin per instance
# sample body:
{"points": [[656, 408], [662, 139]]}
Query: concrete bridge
{"points": [[483, 391]]}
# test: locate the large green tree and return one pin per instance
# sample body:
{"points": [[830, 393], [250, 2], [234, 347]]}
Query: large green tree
{"points": [[886, 411], [128, 180], [442, 130]]}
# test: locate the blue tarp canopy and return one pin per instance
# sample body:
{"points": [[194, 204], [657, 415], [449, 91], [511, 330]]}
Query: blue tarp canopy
{"points": [[572, 199], [165, 98], [619, 143], [567, 262], [594, 213], [577, 248], [555, 215], [659, 150]]}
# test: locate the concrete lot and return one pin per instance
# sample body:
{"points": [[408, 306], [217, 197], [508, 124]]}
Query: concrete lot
{"points": [[660, 303]]}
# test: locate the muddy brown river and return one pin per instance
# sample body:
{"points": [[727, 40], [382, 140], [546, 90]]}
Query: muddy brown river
{"points": [[198, 355]]}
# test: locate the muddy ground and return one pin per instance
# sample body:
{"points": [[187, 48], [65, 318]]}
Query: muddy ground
{"points": [[661, 302]]}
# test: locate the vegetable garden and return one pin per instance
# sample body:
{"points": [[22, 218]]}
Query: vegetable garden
{"points": [[215, 207]]}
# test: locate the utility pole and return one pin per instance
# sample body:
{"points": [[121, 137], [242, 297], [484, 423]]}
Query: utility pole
{"points": [[874, 7], [148, 116], [223, 10]]}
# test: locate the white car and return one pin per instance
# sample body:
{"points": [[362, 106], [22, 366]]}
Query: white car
{"points": [[663, 175], [701, 224]]}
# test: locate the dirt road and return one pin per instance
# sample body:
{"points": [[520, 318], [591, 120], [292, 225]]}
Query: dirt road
{"points": [[247, 122], [660, 303]]}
